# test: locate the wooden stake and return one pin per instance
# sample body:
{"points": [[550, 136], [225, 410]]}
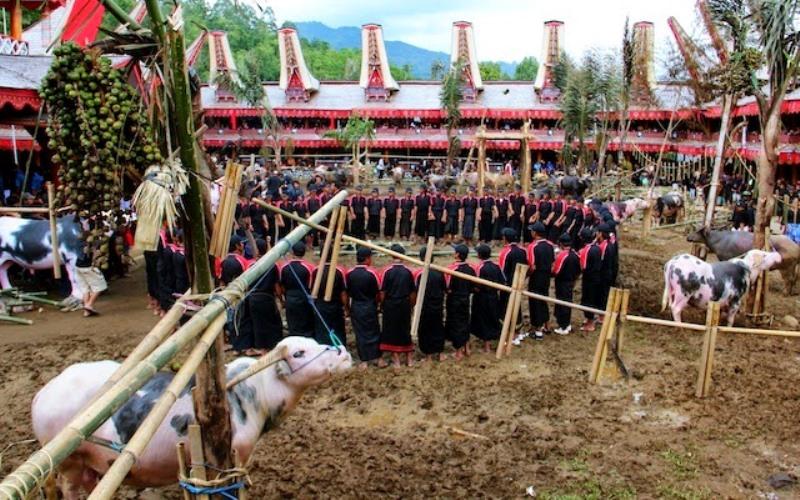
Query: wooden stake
{"points": [[326, 247], [647, 221], [612, 324], [237, 462], [709, 344], [623, 319], [337, 244], [598, 352], [515, 313], [712, 345], [180, 450], [423, 283], [481, 162], [51, 209], [197, 470], [507, 329]]}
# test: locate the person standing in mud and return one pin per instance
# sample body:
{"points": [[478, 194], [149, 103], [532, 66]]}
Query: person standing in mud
{"points": [[391, 209], [459, 290], [486, 301], [591, 260], [364, 286], [295, 283], [398, 294], [566, 269], [452, 207], [469, 211], [502, 206], [330, 313], [374, 209], [530, 214], [358, 213], [540, 262], [431, 322], [406, 214], [486, 216], [422, 208]]}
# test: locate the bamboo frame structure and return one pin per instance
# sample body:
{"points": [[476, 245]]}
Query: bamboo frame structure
{"points": [[197, 469], [507, 329], [25, 478], [517, 303], [226, 211], [622, 325], [606, 332], [51, 212], [337, 244], [707, 355], [114, 476], [323, 257], [423, 285]]}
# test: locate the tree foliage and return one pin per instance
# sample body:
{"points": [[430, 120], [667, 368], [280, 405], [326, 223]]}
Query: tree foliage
{"points": [[527, 69], [491, 70], [450, 97]]}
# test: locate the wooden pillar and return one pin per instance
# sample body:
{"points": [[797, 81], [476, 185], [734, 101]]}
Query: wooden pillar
{"points": [[525, 159], [337, 244], [707, 356], [51, 208], [423, 284], [16, 21], [481, 161], [233, 122]]}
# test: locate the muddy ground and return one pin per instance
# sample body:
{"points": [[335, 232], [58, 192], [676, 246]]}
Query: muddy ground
{"points": [[539, 424]]}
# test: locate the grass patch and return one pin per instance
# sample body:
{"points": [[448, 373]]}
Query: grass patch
{"points": [[673, 492], [683, 464], [590, 489]]}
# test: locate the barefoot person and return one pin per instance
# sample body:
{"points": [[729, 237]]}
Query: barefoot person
{"points": [[431, 320], [363, 287], [398, 295], [486, 312], [458, 292]]}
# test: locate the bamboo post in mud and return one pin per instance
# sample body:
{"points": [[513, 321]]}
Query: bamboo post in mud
{"points": [[326, 247], [594, 373], [113, 478], [610, 331], [516, 311], [623, 319], [707, 355], [647, 219], [423, 284], [197, 468], [25, 478], [507, 329], [337, 245], [51, 211], [180, 451]]}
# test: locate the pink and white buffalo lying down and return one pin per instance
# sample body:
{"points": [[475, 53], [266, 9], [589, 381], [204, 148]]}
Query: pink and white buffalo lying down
{"points": [[257, 404], [620, 210], [689, 281]]}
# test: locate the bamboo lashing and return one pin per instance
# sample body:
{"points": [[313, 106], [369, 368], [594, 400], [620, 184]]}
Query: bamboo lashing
{"points": [[423, 284], [516, 309], [337, 245], [507, 329], [326, 247], [51, 211], [113, 478], [32, 472], [417, 262]]}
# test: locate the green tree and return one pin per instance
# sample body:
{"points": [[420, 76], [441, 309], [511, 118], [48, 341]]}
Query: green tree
{"points": [[628, 51], [356, 130], [450, 98], [437, 69], [401, 73], [527, 69], [491, 70]]}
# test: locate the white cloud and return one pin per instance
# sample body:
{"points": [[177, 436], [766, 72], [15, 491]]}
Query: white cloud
{"points": [[505, 30]]}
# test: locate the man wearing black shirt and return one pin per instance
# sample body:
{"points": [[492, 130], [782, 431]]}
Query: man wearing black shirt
{"points": [[566, 269], [540, 260]]}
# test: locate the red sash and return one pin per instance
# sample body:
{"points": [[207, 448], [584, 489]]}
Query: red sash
{"points": [[559, 262]]}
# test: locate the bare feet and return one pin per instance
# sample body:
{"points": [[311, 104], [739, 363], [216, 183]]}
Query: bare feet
{"points": [[487, 347], [363, 366], [459, 354], [381, 363], [442, 356]]}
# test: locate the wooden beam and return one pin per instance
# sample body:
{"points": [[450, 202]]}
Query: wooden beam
{"points": [[517, 296], [51, 204], [337, 245], [423, 284], [326, 247], [507, 330]]}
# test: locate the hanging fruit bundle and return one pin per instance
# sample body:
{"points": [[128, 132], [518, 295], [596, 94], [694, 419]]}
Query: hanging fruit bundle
{"points": [[98, 129]]}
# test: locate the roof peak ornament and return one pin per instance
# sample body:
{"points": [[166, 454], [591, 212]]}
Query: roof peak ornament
{"points": [[221, 63], [376, 75], [553, 39], [644, 79], [296, 80], [463, 52]]}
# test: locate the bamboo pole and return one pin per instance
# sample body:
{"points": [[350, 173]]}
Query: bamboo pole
{"points": [[593, 373], [24, 210], [29, 474], [712, 319], [665, 322], [423, 284], [197, 468], [51, 211], [326, 247], [711, 348], [481, 163], [337, 244], [516, 311], [417, 262], [180, 451], [647, 219], [14, 319], [133, 450], [622, 327], [609, 334], [507, 329]]}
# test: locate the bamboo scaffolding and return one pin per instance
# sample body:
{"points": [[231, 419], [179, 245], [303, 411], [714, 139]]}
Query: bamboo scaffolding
{"points": [[180, 451], [423, 285], [516, 310], [114, 476], [417, 262], [25, 478], [326, 247], [197, 468], [337, 244], [51, 211]]}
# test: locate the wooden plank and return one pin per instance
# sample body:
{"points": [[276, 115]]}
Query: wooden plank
{"points": [[701, 369], [623, 319], [51, 210], [423, 283], [326, 247], [197, 469], [337, 244], [601, 338]]}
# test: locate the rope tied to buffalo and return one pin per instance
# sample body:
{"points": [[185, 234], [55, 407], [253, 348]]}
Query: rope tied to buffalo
{"points": [[226, 484]]}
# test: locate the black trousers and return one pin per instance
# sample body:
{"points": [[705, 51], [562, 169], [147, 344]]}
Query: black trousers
{"points": [[388, 226], [539, 283], [590, 294], [563, 314], [485, 229]]}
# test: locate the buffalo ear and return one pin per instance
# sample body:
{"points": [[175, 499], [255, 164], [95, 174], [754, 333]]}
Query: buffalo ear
{"points": [[283, 369]]}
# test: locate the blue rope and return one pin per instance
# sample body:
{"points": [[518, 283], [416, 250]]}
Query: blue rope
{"points": [[224, 491]]}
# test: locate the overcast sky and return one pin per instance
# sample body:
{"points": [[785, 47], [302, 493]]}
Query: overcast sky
{"points": [[505, 30]]}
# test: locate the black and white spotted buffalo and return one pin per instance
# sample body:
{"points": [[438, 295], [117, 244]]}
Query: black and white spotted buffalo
{"points": [[668, 208]]}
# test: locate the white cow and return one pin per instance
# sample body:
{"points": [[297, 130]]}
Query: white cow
{"points": [[256, 404]]}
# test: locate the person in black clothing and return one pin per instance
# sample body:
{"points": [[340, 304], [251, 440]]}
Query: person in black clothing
{"points": [[398, 294], [179, 267], [391, 206], [374, 207], [436, 227], [423, 204], [358, 213], [166, 276], [607, 264], [510, 256], [540, 260], [566, 269], [363, 287], [285, 224], [546, 211], [529, 216], [501, 222], [330, 313], [431, 320], [556, 224], [452, 208], [486, 216], [469, 211], [151, 258], [258, 219], [486, 320], [406, 213], [517, 203], [312, 205], [295, 283], [577, 223], [273, 184], [457, 323], [591, 261]]}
